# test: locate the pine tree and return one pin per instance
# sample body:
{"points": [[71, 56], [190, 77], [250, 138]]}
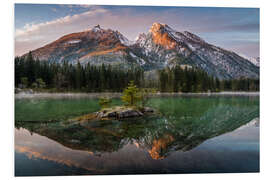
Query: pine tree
{"points": [[131, 95], [30, 68]]}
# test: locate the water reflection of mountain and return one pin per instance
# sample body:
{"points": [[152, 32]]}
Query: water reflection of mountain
{"points": [[182, 127]]}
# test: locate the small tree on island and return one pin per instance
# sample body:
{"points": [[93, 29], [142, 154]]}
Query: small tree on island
{"points": [[131, 95]]}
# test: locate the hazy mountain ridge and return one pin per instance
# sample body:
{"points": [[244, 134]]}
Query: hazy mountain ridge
{"points": [[160, 47]]}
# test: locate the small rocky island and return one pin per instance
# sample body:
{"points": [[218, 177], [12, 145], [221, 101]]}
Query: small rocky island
{"points": [[120, 112], [117, 112], [134, 99]]}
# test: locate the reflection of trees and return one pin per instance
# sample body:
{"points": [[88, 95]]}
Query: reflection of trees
{"points": [[77, 137], [178, 129]]}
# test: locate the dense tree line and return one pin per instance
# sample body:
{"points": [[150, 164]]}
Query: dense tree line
{"points": [[32, 73], [242, 84], [188, 79], [68, 77]]}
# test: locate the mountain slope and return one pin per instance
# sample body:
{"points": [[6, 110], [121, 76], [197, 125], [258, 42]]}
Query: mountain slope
{"points": [[95, 46], [164, 46]]}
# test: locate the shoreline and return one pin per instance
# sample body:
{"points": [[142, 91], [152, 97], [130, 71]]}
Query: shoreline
{"points": [[117, 95]]}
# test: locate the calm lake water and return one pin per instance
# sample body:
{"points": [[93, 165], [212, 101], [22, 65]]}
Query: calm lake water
{"points": [[201, 134]]}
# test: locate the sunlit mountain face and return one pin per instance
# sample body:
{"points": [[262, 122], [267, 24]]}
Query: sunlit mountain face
{"points": [[168, 47], [96, 45], [161, 47]]}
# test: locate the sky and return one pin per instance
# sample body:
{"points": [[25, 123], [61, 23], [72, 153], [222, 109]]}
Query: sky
{"points": [[235, 29]]}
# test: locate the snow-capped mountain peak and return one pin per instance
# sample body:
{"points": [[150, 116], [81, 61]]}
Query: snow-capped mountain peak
{"points": [[165, 46]]}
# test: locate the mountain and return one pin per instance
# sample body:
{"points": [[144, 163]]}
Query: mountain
{"points": [[96, 46], [160, 47], [163, 46]]}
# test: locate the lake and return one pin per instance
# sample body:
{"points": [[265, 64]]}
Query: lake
{"points": [[191, 134]]}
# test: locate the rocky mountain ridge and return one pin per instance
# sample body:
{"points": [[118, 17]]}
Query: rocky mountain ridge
{"points": [[166, 47], [161, 47]]}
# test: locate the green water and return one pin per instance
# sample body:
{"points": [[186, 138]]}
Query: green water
{"points": [[184, 123], [63, 109], [41, 110]]}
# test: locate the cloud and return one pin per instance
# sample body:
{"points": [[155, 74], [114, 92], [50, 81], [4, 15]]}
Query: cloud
{"points": [[33, 35], [71, 6], [33, 29]]}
